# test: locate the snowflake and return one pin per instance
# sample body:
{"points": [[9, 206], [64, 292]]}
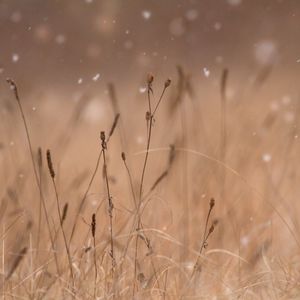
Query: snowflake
{"points": [[206, 72], [266, 157], [96, 77], [15, 57], [146, 14]]}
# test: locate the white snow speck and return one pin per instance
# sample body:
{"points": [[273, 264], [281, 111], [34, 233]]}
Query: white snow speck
{"points": [[15, 57], [33, 108], [96, 77], [142, 89], [298, 60], [79, 81], [146, 14], [206, 72], [266, 157]]}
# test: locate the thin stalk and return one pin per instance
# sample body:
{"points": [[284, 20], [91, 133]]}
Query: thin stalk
{"points": [[113, 127], [205, 235], [52, 174], [93, 228], [14, 88], [85, 196], [150, 119], [110, 203]]}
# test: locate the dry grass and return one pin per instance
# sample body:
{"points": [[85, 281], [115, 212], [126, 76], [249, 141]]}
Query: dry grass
{"points": [[198, 201]]}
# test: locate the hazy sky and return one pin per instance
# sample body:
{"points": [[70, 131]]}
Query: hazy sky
{"points": [[72, 42]]}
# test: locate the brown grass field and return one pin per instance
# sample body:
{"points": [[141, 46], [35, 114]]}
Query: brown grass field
{"points": [[148, 150], [197, 201]]}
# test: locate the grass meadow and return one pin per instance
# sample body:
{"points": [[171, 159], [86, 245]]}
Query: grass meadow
{"points": [[174, 190]]}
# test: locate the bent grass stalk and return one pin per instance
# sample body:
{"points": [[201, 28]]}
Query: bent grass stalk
{"points": [[205, 235], [52, 174], [110, 202], [150, 119], [14, 88], [113, 127], [93, 229]]}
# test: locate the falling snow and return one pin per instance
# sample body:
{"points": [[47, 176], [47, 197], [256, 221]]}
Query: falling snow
{"points": [[15, 57], [146, 14], [142, 89], [266, 157], [96, 77], [206, 72]]}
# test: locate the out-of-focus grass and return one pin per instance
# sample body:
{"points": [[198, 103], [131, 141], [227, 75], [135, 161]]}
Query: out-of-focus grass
{"points": [[253, 251]]}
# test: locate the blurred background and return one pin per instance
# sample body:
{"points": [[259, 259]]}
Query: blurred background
{"points": [[72, 44], [79, 63]]}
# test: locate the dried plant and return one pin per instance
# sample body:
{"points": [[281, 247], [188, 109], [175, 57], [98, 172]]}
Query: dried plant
{"points": [[93, 230], [81, 204], [205, 235], [14, 88], [110, 201], [52, 174], [149, 119]]}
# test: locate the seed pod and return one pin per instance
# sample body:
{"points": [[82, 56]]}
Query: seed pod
{"points": [[64, 213], [123, 156], [50, 165], [93, 225], [150, 78], [167, 83], [212, 203]]}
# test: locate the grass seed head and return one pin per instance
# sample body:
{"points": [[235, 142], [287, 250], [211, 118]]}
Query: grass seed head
{"points": [[150, 79], [212, 203], [50, 165], [123, 156], [167, 83], [93, 225]]}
